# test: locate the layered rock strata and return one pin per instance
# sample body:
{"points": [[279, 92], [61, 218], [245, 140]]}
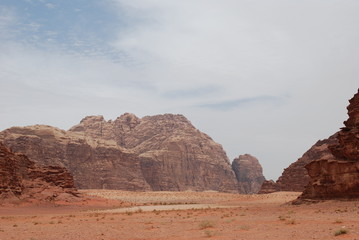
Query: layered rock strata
{"points": [[95, 164], [161, 153], [22, 179], [295, 177], [249, 173], [338, 177], [174, 155], [347, 147], [332, 179]]}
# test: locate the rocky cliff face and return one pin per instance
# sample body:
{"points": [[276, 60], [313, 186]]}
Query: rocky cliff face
{"points": [[338, 176], [347, 147], [163, 152], [173, 154], [249, 173], [21, 178], [332, 179], [94, 163], [295, 177]]}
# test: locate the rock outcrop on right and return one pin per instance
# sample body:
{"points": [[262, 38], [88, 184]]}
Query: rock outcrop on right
{"points": [[249, 173], [295, 177], [337, 177]]}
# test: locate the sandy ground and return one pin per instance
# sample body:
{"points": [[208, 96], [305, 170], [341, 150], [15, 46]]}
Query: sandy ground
{"points": [[115, 215]]}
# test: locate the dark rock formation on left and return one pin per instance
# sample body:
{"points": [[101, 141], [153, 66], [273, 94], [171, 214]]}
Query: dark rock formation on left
{"points": [[21, 178], [95, 164], [249, 173]]}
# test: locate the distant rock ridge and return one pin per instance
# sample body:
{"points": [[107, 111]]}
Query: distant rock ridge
{"points": [[337, 177], [269, 186], [295, 177], [160, 153], [249, 173], [22, 179]]}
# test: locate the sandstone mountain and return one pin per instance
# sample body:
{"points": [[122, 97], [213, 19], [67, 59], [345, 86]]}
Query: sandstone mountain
{"points": [[249, 173], [161, 153], [337, 176], [93, 163], [22, 179]]}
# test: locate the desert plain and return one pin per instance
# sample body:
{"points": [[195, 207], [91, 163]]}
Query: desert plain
{"points": [[117, 215]]}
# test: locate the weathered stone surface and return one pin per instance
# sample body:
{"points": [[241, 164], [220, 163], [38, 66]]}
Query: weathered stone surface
{"points": [[21, 178], [249, 173], [347, 147], [338, 176], [163, 152], [269, 186], [173, 154], [295, 177], [94, 163], [332, 179]]}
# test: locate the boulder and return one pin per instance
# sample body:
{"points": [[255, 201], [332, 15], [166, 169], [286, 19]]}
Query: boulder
{"points": [[249, 173]]}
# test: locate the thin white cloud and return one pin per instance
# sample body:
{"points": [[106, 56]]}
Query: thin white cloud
{"points": [[281, 70], [50, 5], [304, 50], [204, 42], [7, 20]]}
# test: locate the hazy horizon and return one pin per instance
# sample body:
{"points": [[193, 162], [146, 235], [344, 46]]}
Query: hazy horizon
{"points": [[267, 78]]}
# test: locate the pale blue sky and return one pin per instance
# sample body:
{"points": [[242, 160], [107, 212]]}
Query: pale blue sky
{"points": [[265, 77]]}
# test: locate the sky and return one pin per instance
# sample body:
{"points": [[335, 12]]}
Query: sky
{"points": [[263, 77]]}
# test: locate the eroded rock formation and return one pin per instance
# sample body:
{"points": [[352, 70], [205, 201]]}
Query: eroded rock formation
{"points": [[347, 147], [22, 179], [163, 152], [249, 173], [269, 186], [337, 177], [94, 163], [332, 179], [173, 154], [295, 177]]}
